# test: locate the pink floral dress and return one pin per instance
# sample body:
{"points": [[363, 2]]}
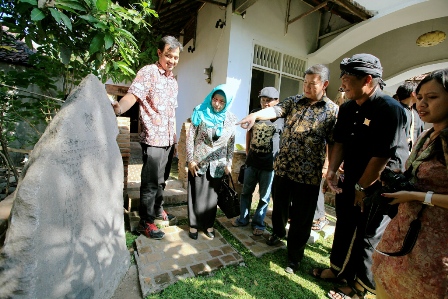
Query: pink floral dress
{"points": [[423, 272]]}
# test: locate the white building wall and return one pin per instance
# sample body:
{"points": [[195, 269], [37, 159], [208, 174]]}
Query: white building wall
{"points": [[211, 48], [264, 24]]}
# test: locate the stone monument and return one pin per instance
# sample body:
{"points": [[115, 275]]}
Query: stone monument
{"points": [[66, 234]]}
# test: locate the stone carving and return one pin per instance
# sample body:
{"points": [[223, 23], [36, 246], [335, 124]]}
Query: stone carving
{"points": [[66, 233]]}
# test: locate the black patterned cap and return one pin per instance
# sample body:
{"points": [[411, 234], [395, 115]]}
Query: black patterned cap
{"points": [[362, 65]]}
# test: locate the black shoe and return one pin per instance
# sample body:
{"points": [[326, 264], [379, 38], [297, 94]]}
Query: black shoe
{"points": [[150, 230], [292, 267], [194, 236], [211, 235], [273, 240]]}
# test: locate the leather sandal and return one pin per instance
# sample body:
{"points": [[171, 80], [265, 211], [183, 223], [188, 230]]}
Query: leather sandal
{"points": [[317, 273], [320, 224]]}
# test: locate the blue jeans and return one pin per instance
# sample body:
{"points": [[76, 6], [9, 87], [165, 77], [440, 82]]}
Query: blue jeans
{"points": [[264, 178]]}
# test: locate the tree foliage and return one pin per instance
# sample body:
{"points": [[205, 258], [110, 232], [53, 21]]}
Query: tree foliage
{"points": [[70, 39], [97, 36]]}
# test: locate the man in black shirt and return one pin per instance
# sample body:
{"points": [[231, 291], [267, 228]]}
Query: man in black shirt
{"points": [[369, 134]]}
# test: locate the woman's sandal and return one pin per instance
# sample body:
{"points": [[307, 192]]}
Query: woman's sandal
{"points": [[320, 224], [353, 292], [317, 273]]}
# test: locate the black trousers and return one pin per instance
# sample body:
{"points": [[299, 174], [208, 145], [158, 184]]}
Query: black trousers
{"points": [[155, 171], [202, 200], [355, 237], [297, 202]]}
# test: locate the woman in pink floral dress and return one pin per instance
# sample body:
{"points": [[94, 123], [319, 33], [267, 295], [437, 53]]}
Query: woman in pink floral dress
{"points": [[422, 273]]}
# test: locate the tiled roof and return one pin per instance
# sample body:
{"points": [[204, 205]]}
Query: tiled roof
{"points": [[13, 51]]}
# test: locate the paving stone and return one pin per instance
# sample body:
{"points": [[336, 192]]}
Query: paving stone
{"points": [[215, 253], [154, 257], [201, 256], [162, 278], [215, 264], [227, 249], [200, 269], [256, 244], [180, 272], [150, 269], [227, 258], [202, 246], [145, 249]]}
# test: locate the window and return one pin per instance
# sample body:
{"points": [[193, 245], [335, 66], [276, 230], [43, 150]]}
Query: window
{"points": [[272, 68]]}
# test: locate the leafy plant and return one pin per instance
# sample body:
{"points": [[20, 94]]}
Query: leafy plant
{"points": [[71, 39]]}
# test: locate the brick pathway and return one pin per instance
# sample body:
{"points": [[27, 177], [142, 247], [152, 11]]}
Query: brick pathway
{"points": [[163, 262]]}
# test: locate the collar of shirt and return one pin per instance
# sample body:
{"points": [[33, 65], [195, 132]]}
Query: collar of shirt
{"points": [[406, 106], [162, 71], [323, 100], [377, 93]]}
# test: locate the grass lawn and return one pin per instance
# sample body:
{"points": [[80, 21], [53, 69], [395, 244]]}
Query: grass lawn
{"points": [[255, 278]]}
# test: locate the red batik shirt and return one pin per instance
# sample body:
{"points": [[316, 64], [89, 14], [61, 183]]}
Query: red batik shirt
{"points": [[156, 91]]}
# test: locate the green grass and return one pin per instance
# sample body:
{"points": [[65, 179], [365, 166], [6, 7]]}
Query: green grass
{"points": [[256, 277]]}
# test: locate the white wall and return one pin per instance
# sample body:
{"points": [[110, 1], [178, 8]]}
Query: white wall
{"points": [[265, 25], [211, 48], [398, 53]]}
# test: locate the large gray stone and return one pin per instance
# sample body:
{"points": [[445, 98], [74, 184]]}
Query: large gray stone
{"points": [[66, 234]]}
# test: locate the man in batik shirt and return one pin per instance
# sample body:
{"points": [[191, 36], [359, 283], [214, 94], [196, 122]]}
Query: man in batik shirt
{"points": [[309, 122], [155, 89]]}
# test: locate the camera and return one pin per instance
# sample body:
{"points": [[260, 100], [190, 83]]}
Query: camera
{"points": [[391, 182]]}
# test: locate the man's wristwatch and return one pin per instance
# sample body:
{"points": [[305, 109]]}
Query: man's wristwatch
{"points": [[428, 198], [359, 188]]}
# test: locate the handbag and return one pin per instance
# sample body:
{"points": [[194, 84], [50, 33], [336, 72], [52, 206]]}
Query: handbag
{"points": [[241, 174], [228, 200]]}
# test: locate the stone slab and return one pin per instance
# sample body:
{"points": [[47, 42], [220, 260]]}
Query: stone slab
{"points": [[256, 244], [66, 232]]}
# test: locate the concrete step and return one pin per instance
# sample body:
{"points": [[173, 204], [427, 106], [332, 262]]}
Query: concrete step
{"points": [[170, 196], [170, 184]]}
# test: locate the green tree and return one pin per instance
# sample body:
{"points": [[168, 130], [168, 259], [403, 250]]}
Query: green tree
{"points": [[71, 39]]}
